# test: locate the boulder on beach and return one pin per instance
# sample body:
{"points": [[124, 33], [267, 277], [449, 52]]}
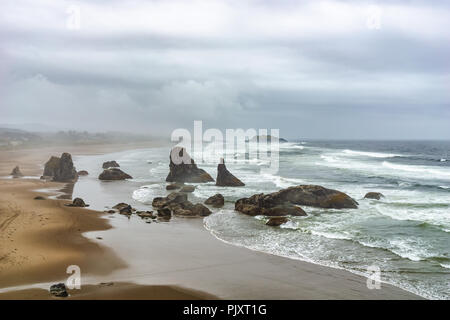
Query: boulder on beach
{"points": [[225, 178], [15, 173], [183, 168], [59, 290], [114, 174], [374, 195], [284, 201], [110, 164], [311, 195], [77, 202], [83, 173], [174, 197], [60, 169], [39, 198], [255, 206], [216, 201], [276, 221], [178, 204]]}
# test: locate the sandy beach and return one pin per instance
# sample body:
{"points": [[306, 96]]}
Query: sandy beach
{"points": [[40, 238]]}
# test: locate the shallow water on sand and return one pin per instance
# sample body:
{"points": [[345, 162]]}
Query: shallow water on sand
{"points": [[406, 234]]}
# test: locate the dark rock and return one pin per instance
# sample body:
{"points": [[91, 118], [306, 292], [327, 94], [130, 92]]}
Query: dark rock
{"points": [[83, 173], [277, 221], [174, 186], [110, 164], [114, 174], [77, 202], [146, 214], [164, 212], [225, 178], [284, 210], [200, 210], [183, 168], [66, 171], [374, 195], [59, 290], [120, 205], [110, 211], [254, 206], [216, 200], [39, 198], [173, 198], [16, 172], [51, 166], [187, 189], [283, 202], [127, 210], [61, 169], [311, 195]]}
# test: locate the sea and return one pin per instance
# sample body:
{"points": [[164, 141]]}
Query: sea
{"points": [[405, 235]]}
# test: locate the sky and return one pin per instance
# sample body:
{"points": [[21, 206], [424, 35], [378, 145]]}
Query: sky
{"points": [[313, 69]]}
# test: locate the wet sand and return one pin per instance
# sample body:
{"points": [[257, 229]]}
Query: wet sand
{"points": [[40, 238]]}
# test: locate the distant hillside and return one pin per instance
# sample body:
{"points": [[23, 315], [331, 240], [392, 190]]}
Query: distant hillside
{"points": [[13, 138]]}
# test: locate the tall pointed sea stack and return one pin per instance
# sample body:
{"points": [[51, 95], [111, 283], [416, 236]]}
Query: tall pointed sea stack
{"points": [[183, 168], [225, 178]]}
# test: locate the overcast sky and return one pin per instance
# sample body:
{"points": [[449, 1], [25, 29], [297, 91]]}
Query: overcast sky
{"points": [[313, 69]]}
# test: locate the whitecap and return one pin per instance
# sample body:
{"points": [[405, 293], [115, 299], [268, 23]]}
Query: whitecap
{"points": [[369, 154]]}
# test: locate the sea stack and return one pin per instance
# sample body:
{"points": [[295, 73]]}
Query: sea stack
{"points": [[225, 178], [16, 173], [183, 168], [61, 169], [114, 174]]}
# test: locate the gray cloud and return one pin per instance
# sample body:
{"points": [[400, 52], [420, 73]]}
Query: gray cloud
{"points": [[312, 69]]}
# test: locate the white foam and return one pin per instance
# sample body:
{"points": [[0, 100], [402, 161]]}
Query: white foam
{"points": [[369, 154]]}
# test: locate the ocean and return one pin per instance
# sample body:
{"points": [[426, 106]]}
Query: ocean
{"points": [[406, 234]]}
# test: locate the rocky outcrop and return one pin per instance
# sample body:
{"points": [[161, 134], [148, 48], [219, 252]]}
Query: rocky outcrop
{"points": [[284, 201], [177, 204], [83, 173], [255, 206], [277, 221], [225, 178], [59, 290], [110, 164], [15, 173], [183, 168], [77, 202], [310, 195], [114, 174], [60, 169], [374, 195], [50, 167], [216, 201]]}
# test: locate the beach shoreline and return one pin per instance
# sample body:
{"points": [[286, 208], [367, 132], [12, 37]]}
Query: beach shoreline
{"points": [[210, 265]]}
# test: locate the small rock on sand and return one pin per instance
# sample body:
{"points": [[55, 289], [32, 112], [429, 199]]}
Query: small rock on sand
{"points": [[59, 290]]}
